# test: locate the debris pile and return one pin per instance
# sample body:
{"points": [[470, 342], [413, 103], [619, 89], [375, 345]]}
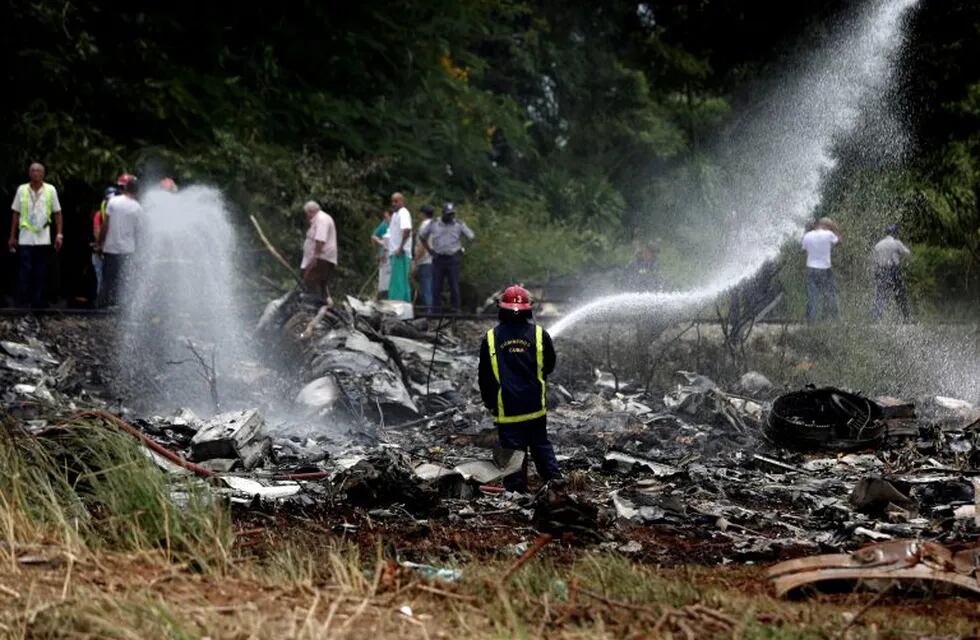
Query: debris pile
{"points": [[30, 375], [381, 417]]}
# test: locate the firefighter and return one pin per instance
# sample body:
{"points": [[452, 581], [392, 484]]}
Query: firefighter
{"points": [[516, 357]]}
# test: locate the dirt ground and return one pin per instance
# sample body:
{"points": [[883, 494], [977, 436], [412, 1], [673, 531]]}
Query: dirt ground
{"points": [[58, 595]]}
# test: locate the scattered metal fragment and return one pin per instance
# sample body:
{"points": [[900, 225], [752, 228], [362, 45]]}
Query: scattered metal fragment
{"points": [[236, 434], [270, 490], [778, 464], [902, 560], [619, 462], [34, 352], [505, 462], [875, 495]]}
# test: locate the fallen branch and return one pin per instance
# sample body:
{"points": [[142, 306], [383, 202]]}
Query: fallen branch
{"points": [[446, 594], [311, 325], [360, 290], [615, 603], [532, 551], [713, 613], [10, 592], [272, 250], [696, 613], [867, 607]]}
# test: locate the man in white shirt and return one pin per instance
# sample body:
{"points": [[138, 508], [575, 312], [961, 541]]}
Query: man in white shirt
{"points": [[400, 250], [35, 206], [118, 242], [821, 292], [319, 251], [888, 255]]}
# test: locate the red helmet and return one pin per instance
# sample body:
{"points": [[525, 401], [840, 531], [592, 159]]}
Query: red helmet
{"points": [[168, 184], [124, 179], [516, 298]]}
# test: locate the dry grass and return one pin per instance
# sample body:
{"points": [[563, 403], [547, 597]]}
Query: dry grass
{"points": [[336, 592], [87, 488], [93, 546]]}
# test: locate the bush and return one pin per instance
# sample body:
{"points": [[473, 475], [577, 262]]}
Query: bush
{"points": [[521, 243], [942, 282]]}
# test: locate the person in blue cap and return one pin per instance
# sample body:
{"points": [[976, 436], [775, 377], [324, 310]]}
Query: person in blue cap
{"points": [[443, 238]]}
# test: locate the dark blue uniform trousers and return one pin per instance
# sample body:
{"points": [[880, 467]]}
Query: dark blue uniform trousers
{"points": [[530, 436], [444, 267]]}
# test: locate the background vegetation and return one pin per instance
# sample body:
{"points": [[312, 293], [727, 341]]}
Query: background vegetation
{"points": [[569, 131]]}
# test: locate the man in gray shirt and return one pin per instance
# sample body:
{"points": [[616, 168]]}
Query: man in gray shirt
{"points": [[888, 255], [443, 239]]}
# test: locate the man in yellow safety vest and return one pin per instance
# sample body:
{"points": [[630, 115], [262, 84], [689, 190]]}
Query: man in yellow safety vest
{"points": [[35, 206], [516, 357]]}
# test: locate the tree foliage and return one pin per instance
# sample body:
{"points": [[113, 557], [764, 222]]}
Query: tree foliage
{"points": [[588, 119]]}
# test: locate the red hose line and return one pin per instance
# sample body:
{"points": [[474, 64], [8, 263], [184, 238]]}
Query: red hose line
{"points": [[124, 426], [492, 488]]}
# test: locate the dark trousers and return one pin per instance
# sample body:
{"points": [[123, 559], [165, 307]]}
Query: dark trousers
{"points": [[32, 275], [115, 273], [316, 278], [530, 436], [889, 284], [446, 267], [821, 295]]}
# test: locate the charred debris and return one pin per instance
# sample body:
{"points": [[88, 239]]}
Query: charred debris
{"points": [[382, 421]]}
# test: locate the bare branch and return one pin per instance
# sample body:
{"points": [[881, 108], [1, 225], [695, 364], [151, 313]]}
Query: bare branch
{"points": [[207, 372]]}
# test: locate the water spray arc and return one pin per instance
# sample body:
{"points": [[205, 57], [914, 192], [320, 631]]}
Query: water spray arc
{"points": [[777, 160]]}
